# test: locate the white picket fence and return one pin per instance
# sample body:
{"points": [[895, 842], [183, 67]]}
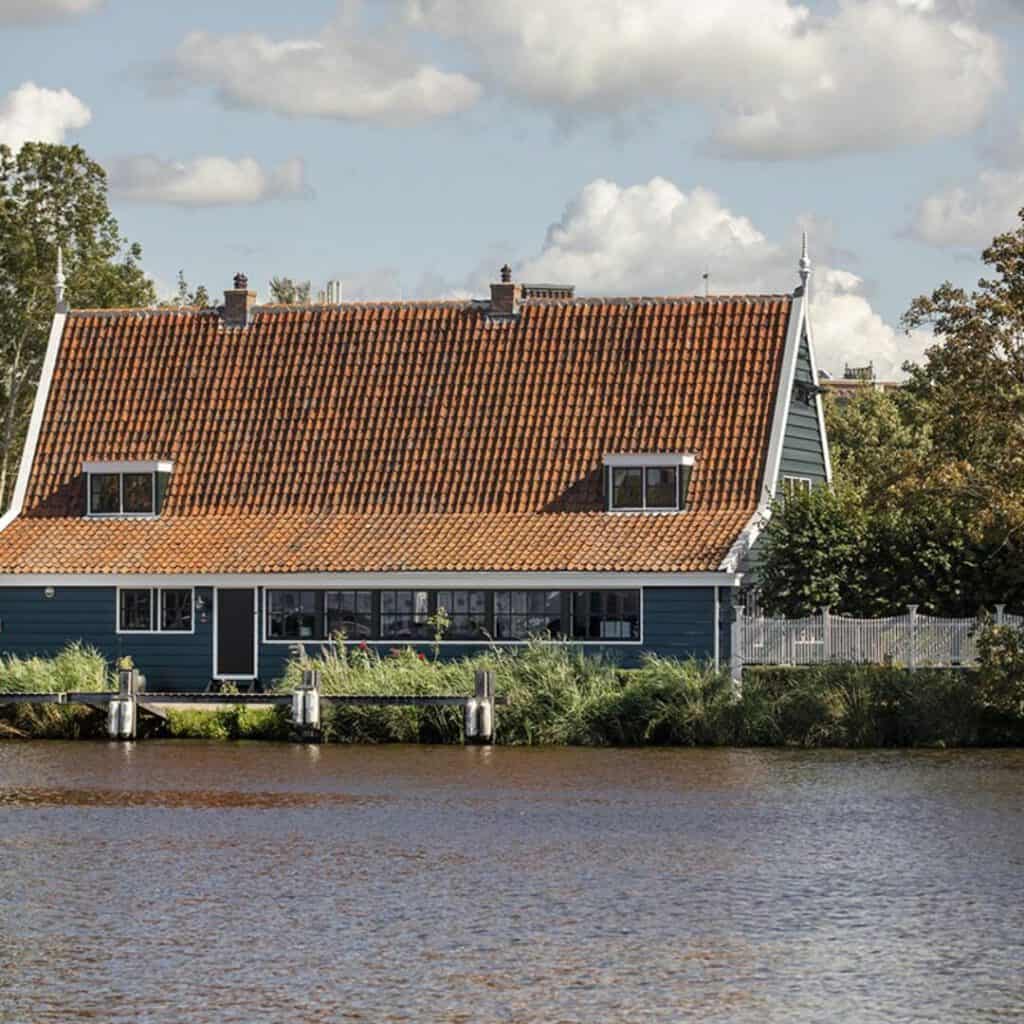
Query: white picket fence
{"points": [[912, 640]]}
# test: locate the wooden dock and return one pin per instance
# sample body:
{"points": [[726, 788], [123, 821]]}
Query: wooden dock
{"points": [[124, 705]]}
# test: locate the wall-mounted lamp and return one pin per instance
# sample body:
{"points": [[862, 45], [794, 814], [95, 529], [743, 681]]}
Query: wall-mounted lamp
{"points": [[48, 593]]}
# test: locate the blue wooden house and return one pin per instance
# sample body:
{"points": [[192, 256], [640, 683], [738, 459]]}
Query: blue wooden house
{"points": [[203, 489]]}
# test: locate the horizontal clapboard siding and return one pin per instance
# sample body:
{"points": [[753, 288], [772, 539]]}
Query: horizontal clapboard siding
{"points": [[33, 625]]}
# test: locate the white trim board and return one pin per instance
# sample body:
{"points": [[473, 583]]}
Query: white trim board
{"points": [[142, 466], [638, 460], [381, 580], [35, 425]]}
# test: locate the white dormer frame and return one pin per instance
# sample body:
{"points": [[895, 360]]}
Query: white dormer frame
{"points": [[643, 462], [141, 467]]}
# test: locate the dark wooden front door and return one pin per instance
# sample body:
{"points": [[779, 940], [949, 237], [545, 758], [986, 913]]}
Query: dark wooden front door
{"points": [[236, 637]]}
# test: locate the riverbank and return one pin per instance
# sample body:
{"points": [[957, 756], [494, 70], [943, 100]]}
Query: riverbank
{"points": [[556, 696]]}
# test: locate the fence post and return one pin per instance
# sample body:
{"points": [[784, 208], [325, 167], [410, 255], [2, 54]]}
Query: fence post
{"points": [[736, 651], [912, 609], [1000, 614], [826, 633]]}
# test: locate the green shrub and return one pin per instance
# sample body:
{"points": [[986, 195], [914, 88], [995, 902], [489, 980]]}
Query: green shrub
{"points": [[231, 723]]}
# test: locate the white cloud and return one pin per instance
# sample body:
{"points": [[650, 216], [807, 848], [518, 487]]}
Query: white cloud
{"points": [[971, 213], [23, 11], [205, 181], [779, 81], [344, 73], [32, 114], [655, 239]]}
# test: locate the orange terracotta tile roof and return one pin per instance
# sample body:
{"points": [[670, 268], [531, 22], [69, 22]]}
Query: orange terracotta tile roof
{"points": [[423, 436]]}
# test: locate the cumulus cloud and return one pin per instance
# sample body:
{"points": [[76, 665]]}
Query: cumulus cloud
{"points": [[656, 239], [32, 114], [15, 12], [344, 73], [971, 213], [779, 81], [205, 181]]}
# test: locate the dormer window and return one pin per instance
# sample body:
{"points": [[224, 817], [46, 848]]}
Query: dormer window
{"points": [[647, 483], [125, 488]]}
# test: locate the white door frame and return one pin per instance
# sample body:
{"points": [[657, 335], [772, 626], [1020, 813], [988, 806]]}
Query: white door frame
{"points": [[255, 633]]}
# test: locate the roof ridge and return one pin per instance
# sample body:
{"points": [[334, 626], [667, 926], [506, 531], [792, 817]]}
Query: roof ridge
{"points": [[579, 300]]}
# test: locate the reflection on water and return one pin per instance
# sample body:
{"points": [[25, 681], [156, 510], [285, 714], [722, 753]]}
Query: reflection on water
{"points": [[194, 882]]}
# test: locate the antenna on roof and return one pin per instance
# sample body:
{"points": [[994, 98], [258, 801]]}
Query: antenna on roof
{"points": [[59, 282], [707, 281], [805, 261]]}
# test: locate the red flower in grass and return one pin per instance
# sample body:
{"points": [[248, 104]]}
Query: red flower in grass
{"points": [[421, 656], [363, 645]]}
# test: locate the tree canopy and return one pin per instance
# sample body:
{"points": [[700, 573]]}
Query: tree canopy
{"points": [[52, 196], [928, 506]]}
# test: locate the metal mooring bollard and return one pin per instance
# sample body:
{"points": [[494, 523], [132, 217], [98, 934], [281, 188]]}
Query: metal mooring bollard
{"points": [[122, 717], [306, 707], [479, 719]]}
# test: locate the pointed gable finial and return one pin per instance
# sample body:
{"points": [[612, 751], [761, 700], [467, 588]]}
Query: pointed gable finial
{"points": [[805, 261], [59, 282]]}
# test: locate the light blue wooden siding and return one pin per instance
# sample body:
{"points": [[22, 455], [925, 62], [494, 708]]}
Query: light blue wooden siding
{"points": [[678, 622], [803, 452], [33, 624]]}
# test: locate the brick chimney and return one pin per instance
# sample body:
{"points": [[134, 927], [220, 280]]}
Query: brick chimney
{"points": [[506, 295], [238, 302]]}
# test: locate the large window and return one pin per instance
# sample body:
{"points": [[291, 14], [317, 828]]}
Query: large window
{"points": [[606, 615], [593, 616], [404, 615], [113, 494], [467, 612], [350, 612], [152, 610], [519, 614], [295, 615]]}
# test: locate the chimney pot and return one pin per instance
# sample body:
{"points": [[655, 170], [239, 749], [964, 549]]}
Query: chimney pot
{"points": [[238, 302], [506, 274], [506, 295]]}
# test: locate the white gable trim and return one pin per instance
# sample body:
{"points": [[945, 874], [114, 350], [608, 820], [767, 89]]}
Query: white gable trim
{"points": [[773, 463], [35, 425], [818, 403], [139, 466]]}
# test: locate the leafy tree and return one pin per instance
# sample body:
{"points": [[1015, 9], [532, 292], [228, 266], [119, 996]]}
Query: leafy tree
{"points": [[930, 479], [187, 297], [52, 195], [810, 554], [286, 292]]}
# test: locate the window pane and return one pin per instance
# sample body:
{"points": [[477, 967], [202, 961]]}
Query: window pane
{"points": [[350, 612], [467, 612], [684, 484], [136, 610], [403, 615], [661, 487], [176, 611], [520, 614], [627, 488], [138, 492], [295, 615], [606, 615], [104, 493]]}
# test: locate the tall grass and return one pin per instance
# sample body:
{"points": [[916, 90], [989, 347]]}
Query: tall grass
{"points": [[76, 667]]}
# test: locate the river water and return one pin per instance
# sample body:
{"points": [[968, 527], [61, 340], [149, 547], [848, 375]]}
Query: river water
{"points": [[175, 881]]}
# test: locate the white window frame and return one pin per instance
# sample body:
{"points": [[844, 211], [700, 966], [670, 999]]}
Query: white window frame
{"points": [[155, 613], [643, 462], [790, 485], [119, 469], [121, 514], [263, 636]]}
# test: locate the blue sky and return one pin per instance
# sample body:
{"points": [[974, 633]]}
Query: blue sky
{"points": [[409, 147]]}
